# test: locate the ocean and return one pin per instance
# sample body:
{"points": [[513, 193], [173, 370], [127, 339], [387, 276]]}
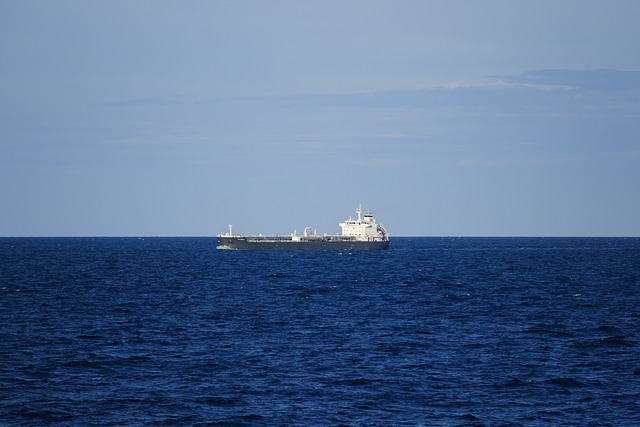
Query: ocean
{"points": [[432, 332]]}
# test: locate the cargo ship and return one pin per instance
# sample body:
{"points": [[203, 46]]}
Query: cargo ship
{"points": [[361, 234]]}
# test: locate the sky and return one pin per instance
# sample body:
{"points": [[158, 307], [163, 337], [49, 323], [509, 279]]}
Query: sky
{"points": [[442, 118]]}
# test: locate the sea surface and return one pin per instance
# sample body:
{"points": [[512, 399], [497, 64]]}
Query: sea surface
{"points": [[432, 332]]}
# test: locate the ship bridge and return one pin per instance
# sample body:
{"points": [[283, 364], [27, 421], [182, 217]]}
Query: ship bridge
{"points": [[363, 228]]}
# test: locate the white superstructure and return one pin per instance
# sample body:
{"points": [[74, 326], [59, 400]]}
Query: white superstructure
{"points": [[363, 228]]}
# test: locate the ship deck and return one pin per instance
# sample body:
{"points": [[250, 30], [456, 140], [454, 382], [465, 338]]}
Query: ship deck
{"points": [[299, 238]]}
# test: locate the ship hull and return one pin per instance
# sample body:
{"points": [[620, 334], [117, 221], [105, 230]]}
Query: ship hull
{"points": [[325, 244]]}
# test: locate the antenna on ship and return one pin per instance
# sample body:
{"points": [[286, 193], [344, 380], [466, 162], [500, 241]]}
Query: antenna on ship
{"points": [[359, 211], [230, 233]]}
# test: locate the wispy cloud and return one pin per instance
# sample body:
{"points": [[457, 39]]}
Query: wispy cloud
{"points": [[137, 102], [514, 160], [597, 80]]}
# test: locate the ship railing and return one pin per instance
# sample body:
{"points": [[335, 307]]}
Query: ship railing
{"points": [[269, 238]]}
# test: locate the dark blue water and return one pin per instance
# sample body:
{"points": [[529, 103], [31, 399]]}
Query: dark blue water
{"points": [[433, 332]]}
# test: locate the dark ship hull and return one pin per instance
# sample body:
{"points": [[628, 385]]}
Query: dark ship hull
{"points": [[332, 243]]}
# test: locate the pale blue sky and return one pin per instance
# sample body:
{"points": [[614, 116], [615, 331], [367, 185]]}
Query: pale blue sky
{"points": [[441, 117]]}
